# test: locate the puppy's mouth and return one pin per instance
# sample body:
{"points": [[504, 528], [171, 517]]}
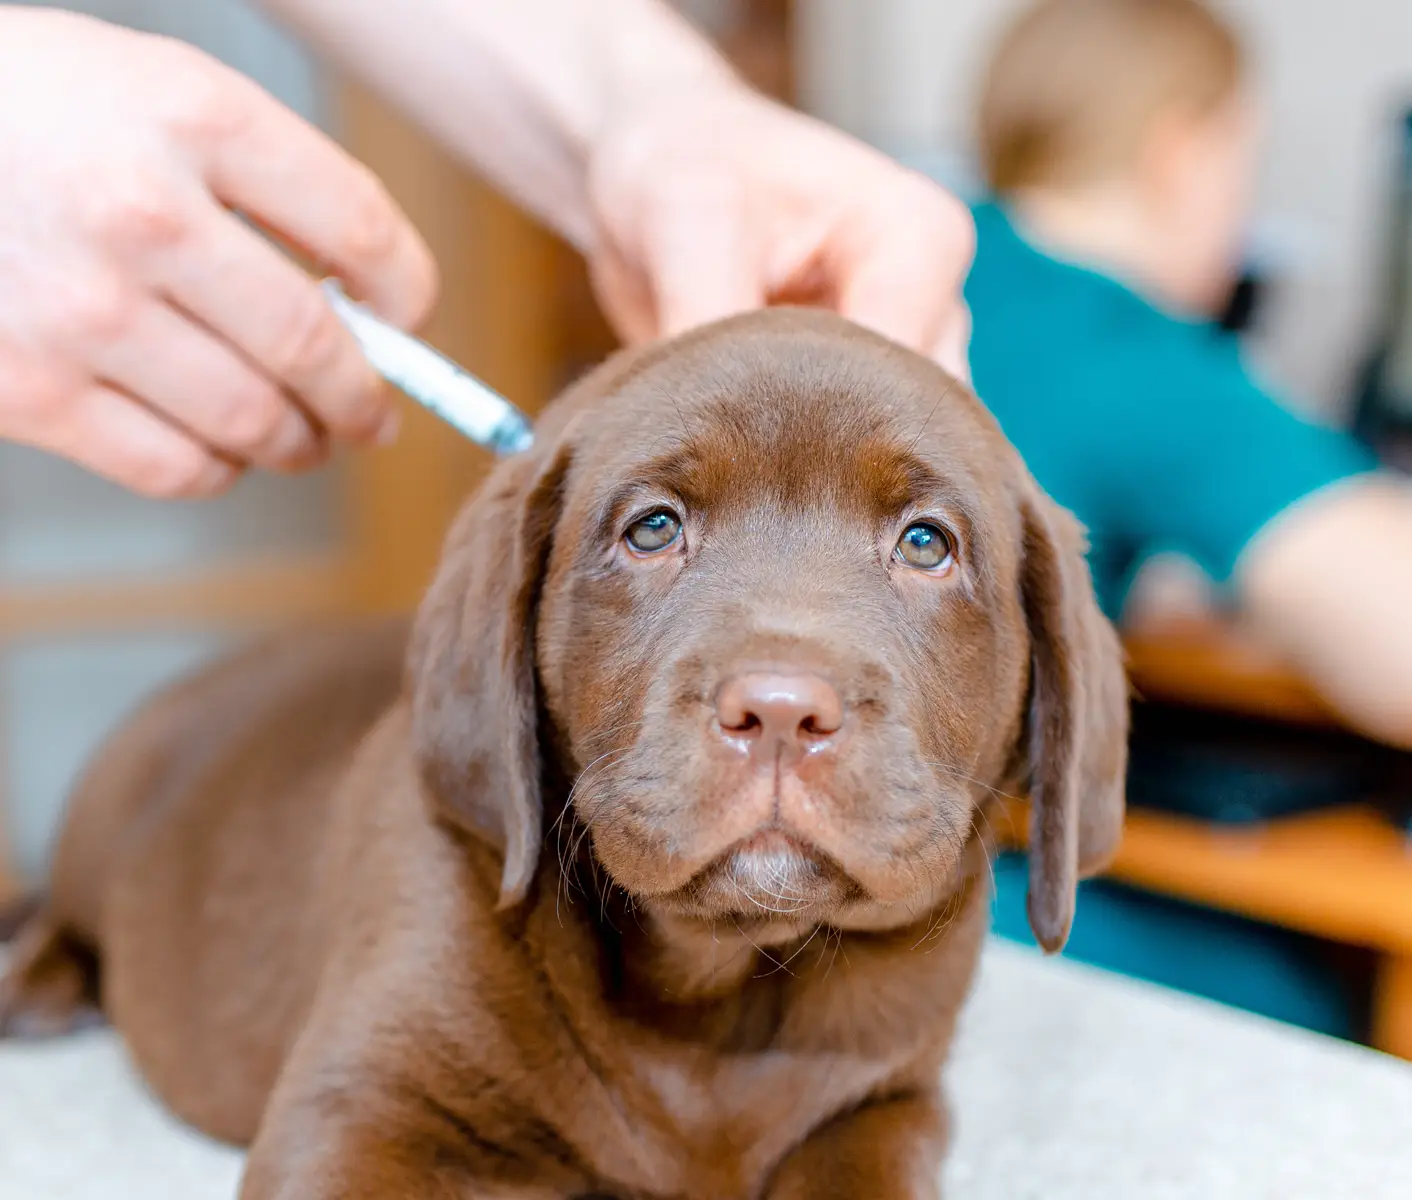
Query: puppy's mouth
{"points": [[772, 874]]}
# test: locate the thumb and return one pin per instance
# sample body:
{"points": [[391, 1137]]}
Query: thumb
{"points": [[897, 296], [915, 304], [904, 279], [953, 344]]}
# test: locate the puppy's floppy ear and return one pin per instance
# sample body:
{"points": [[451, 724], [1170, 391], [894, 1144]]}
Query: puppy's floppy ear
{"points": [[471, 664], [1078, 721]]}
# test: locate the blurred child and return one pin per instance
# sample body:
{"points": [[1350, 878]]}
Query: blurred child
{"points": [[1118, 138]]}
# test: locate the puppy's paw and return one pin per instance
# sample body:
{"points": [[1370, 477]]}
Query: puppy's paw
{"points": [[887, 1150], [49, 986]]}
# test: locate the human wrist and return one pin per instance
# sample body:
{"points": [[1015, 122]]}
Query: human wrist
{"points": [[655, 63]]}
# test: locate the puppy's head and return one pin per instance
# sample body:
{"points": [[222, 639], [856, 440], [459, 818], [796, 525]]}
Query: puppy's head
{"points": [[783, 606]]}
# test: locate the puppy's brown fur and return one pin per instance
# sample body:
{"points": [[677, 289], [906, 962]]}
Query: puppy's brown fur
{"points": [[542, 923]]}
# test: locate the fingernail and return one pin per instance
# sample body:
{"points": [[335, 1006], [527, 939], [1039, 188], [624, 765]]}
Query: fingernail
{"points": [[295, 443], [218, 476]]}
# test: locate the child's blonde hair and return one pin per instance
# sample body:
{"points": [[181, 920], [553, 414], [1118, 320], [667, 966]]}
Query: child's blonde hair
{"points": [[1074, 85]]}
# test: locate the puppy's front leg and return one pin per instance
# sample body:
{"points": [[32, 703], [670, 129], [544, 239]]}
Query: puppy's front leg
{"points": [[887, 1150], [345, 1133], [389, 1165]]}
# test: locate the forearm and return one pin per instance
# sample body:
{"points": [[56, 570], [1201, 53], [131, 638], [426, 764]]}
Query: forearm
{"points": [[520, 89], [1328, 586]]}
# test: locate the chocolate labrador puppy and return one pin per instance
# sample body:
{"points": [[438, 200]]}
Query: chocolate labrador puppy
{"points": [[661, 870]]}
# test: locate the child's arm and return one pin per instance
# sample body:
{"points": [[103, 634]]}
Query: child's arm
{"points": [[1293, 521], [1329, 581]]}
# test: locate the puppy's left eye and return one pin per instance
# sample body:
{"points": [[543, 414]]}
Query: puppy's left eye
{"points": [[656, 531], [926, 546]]}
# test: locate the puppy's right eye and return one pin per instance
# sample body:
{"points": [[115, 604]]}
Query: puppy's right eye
{"points": [[656, 531], [926, 546]]}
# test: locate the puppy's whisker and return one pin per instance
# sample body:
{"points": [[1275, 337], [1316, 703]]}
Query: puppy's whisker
{"points": [[763, 953], [779, 877], [603, 883], [784, 896], [583, 779], [570, 858], [579, 780], [941, 921], [584, 824], [775, 885], [944, 394], [681, 416], [956, 773], [769, 908], [603, 894], [937, 923], [567, 857], [631, 723], [948, 910], [804, 945], [568, 804], [837, 937], [988, 841]]}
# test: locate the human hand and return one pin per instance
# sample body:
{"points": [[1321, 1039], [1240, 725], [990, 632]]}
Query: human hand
{"points": [[718, 200], [146, 332]]}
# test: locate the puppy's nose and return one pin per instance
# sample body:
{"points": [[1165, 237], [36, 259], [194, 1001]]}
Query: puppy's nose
{"points": [[771, 711]]}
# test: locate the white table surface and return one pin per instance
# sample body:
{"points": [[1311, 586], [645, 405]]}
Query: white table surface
{"points": [[1068, 1084]]}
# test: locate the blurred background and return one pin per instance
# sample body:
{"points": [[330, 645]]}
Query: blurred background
{"points": [[1252, 808]]}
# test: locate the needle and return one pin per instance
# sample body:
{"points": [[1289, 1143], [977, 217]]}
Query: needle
{"points": [[432, 379]]}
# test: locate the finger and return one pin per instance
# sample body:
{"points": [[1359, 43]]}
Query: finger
{"points": [[114, 436], [699, 253], [905, 278], [297, 182], [205, 388], [953, 344], [894, 294], [624, 296], [244, 290]]}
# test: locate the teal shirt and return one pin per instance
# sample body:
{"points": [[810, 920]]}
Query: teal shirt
{"points": [[1149, 428]]}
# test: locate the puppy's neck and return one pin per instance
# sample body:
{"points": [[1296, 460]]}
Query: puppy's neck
{"points": [[691, 961], [711, 984], [729, 983], [695, 961]]}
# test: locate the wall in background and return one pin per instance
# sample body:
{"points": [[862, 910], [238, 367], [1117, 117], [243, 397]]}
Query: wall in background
{"points": [[901, 74]]}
